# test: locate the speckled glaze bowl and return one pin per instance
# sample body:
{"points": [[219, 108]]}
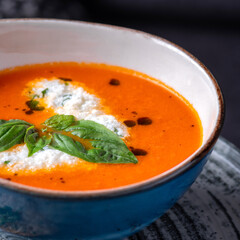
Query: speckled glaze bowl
{"points": [[115, 213]]}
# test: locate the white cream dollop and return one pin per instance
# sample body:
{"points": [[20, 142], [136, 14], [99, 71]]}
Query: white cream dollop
{"points": [[63, 98]]}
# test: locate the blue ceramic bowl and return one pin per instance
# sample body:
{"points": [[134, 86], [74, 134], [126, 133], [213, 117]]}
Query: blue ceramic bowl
{"points": [[114, 213]]}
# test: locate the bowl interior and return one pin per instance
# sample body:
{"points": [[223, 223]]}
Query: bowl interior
{"points": [[26, 42], [38, 41]]}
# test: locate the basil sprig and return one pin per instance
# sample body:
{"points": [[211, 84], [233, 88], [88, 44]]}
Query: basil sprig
{"points": [[64, 133]]}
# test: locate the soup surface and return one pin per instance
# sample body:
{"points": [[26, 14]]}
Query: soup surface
{"points": [[158, 125]]}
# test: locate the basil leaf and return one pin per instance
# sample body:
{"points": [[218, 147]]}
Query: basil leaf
{"points": [[107, 152], [2, 121], [88, 129], [34, 105], [34, 142], [11, 133], [108, 147], [13, 122], [59, 122], [68, 145], [44, 92]]}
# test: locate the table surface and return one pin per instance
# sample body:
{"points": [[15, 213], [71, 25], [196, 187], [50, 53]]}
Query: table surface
{"points": [[210, 209]]}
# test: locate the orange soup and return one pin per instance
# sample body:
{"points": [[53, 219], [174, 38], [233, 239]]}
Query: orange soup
{"points": [[161, 127]]}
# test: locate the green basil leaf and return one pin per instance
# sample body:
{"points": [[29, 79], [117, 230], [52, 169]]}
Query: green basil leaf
{"points": [[68, 145], [34, 142], [44, 92], [108, 147], [110, 152], [34, 105], [2, 121], [12, 132], [13, 122], [88, 129], [59, 122]]}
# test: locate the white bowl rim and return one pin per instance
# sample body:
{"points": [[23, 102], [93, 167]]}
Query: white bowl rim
{"points": [[148, 184]]}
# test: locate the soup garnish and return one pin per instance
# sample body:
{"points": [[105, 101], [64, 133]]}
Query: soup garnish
{"points": [[60, 134]]}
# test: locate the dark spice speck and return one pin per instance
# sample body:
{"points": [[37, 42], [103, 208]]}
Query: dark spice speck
{"points": [[144, 121], [65, 79], [139, 152], [29, 112], [129, 123], [16, 108], [9, 179], [62, 181], [133, 112], [114, 82]]}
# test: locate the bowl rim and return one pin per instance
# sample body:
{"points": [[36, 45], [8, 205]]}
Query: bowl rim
{"points": [[148, 184]]}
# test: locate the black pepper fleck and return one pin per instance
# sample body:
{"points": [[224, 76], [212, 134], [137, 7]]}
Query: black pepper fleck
{"points": [[129, 123], [114, 82], [29, 112], [15, 174], [192, 125], [139, 152], [133, 112], [65, 79], [62, 181], [16, 108], [144, 121], [9, 179]]}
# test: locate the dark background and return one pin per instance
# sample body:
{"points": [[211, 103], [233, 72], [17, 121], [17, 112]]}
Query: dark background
{"points": [[210, 30]]}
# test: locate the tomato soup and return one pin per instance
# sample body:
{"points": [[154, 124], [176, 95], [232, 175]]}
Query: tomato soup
{"points": [[161, 127]]}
